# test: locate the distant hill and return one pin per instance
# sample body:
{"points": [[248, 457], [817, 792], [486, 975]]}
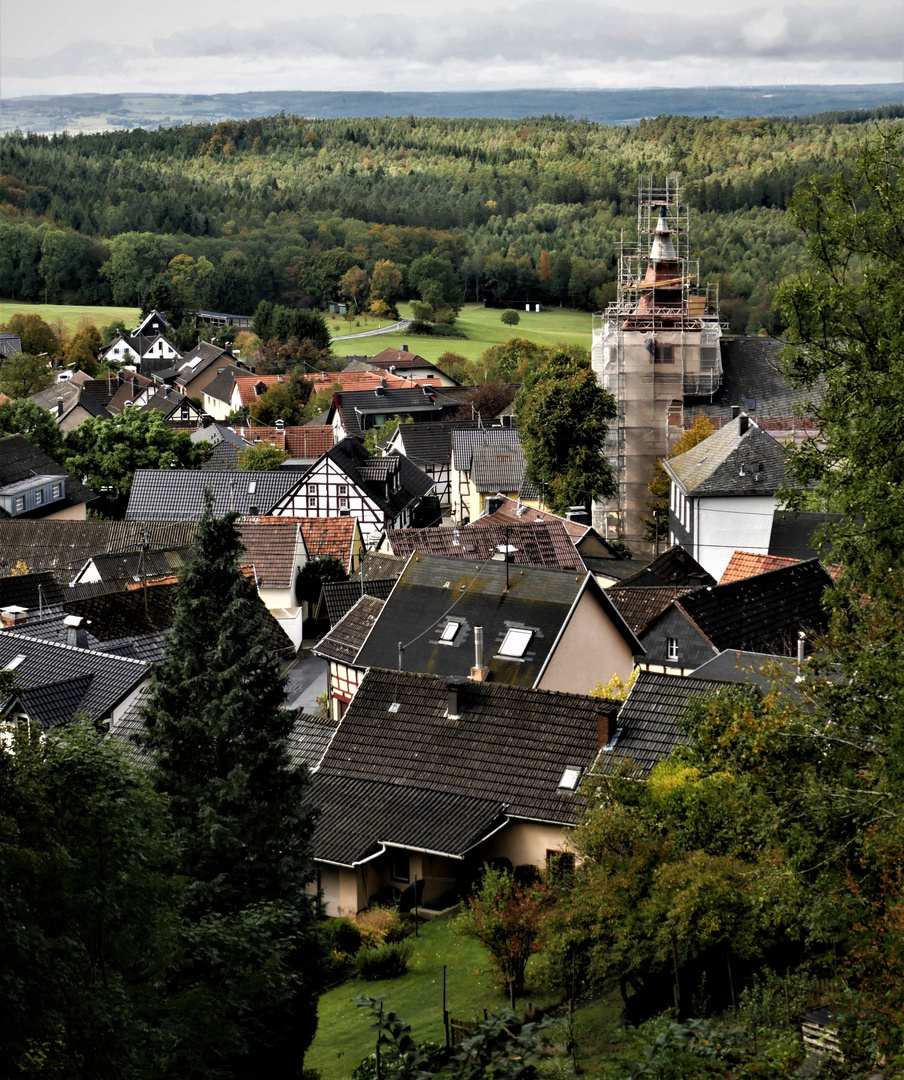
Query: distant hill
{"points": [[105, 112]]}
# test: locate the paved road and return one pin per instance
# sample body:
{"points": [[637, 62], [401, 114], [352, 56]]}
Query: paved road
{"points": [[306, 679], [400, 325]]}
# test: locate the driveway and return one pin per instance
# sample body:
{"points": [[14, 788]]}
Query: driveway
{"points": [[305, 679]]}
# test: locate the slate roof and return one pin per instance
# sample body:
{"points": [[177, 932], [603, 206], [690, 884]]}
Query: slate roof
{"points": [[744, 564], [200, 359], [465, 440], [178, 494], [509, 745], [73, 395], [65, 546], [358, 817], [10, 344], [221, 387], [759, 669], [544, 543], [51, 668], [20, 460], [433, 591], [730, 462], [339, 597], [793, 534], [762, 613], [638, 607], [674, 568], [344, 641], [427, 444], [752, 378], [648, 720]]}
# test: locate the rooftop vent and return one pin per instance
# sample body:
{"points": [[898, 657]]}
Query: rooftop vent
{"points": [[454, 697]]}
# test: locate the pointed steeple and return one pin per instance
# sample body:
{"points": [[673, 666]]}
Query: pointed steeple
{"points": [[662, 249]]}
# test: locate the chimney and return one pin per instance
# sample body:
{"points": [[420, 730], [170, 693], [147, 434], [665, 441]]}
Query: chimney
{"points": [[404, 348], [735, 411], [603, 728], [134, 389], [479, 673], [76, 634], [743, 423], [59, 406], [13, 616], [454, 703]]}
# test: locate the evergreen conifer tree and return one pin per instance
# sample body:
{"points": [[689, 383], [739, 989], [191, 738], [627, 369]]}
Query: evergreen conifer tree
{"points": [[244, 991]]}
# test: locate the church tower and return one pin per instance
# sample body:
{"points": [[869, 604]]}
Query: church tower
{"points": [[656, 344]]}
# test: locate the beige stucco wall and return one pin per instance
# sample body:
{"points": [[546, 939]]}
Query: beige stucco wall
{"points": [[524, 842], [590, 651], [71, 513]]}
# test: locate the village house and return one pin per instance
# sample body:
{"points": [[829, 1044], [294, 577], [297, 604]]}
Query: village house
{"points": [[32, 485], [429, 778]]}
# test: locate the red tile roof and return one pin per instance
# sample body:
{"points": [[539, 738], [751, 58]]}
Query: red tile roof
{"points": [[322, 535], [745, 564], [509, 512], [300, 442], [365, 380]]}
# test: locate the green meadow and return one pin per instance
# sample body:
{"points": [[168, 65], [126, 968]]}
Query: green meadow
{"points": [[69, 315]]}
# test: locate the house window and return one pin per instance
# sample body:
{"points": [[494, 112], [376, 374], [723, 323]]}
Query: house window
{"points": [[342, 491], [515, 643], [672, 648], [57, 491], [559, 868], [312, 502], [39, 498], [312, 489], [664, 354], [20, 503], [401, 870]]}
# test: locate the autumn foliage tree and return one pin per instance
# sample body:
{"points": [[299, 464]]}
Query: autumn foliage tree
{"points": [[657, 526], [507, 918]]}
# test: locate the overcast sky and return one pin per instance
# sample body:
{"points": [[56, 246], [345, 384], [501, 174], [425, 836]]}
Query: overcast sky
{"points": [[216, 46]]}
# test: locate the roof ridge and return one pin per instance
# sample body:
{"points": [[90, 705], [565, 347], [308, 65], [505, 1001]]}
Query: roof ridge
{"points": [[72, 648]]}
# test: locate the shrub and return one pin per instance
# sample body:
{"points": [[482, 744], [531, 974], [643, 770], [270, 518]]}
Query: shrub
{"points": [[510, 317], [342, 935], [379, 925], [387, 962]]}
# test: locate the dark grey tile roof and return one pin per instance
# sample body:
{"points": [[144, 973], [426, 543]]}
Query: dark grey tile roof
{"points": [[225, 457], [762, 613], [433, 591], [178, 494], [45, 663], [358, 816], [540, 543], [309, 739], [199, 359], [20, 460], [344, 641], [55, 703], [221, 386], [65, 546], [648, 720], [730, 462], [130, 566], [500, 468], [638, 607], [10, 345], [674, 568], [760, 669], [428, 444], [509, 745], [339, 597], [382, 565], [753, 379], [464, 441], [30, 591]]}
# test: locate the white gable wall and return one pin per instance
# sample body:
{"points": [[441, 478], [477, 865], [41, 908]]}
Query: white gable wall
{"points": [[712, 528]]}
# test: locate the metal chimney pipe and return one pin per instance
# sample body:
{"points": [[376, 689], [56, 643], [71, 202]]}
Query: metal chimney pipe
{"points": [[478, 646]]}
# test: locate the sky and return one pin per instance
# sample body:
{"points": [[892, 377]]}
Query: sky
{"points": [[222, 46]]}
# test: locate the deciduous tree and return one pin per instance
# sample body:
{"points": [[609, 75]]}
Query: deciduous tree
{"points": [[658, 525], [24, 417], [23, 375]]}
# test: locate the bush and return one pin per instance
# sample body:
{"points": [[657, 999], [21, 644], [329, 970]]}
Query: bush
{"points": [[342, 935], [510, 317], [387, 962], [436, 1056], [379, 925]]}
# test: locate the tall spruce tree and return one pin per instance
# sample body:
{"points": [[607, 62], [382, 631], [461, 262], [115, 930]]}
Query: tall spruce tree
{"points": [[243, 994]]}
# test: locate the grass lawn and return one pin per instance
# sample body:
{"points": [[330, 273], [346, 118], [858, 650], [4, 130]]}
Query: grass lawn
{"points": [[344, 1037], [483, 329], [70, 314]]}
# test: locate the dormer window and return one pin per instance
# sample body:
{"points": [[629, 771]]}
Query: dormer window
{"points": [[515, 643]]}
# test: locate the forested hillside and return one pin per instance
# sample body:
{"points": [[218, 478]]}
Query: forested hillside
{"points": [[281, 208]]}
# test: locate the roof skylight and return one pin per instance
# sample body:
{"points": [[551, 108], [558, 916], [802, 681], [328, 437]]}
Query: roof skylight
{"points": [[570, 778], [449, 632], [515, 643]]}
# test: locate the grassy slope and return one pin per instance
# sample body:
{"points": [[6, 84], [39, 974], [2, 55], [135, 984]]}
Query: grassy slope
{"points": [[483, 329], [344, 1036], [69, 315]]}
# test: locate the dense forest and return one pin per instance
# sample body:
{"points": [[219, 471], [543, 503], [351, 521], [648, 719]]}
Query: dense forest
{"points": [[281, 208]]}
